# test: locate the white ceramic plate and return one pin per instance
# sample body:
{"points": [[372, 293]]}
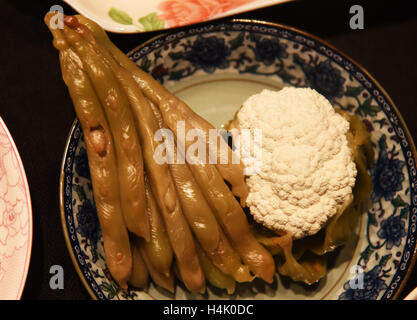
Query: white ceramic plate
{"points": [[214, 68], [128, 16], [15, 219]]}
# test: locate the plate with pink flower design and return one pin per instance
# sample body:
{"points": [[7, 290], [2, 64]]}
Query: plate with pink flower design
{"points": [[127, 16], [214, 67], [15, 219]]}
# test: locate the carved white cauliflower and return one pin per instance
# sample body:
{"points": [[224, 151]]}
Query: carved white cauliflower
{"points": [[307, 170]]}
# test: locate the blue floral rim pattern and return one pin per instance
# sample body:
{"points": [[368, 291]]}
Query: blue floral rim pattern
{"points": [[396, 151], [67, 203]]}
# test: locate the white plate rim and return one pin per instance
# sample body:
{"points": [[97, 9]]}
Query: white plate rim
{"points": [[29, 244]]}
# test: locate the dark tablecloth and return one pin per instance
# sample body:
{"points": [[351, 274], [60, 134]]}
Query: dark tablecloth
{"points": [[35, 105]]}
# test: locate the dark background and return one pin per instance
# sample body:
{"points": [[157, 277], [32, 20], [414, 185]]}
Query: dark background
{"points": [[38, 112]]}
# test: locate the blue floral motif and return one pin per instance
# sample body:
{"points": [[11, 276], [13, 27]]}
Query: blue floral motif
{"points": [[325, 79], [393, 230], [372, 285], [209, 54], [81, 164], [267, 50], [387, 176], [88, 224]]}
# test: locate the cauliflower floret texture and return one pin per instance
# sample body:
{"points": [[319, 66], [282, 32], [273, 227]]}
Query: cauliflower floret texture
{"points": [[307, 169]]}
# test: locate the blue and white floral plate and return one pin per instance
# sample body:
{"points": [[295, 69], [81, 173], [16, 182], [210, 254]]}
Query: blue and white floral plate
{"points": [[214, 68]]}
